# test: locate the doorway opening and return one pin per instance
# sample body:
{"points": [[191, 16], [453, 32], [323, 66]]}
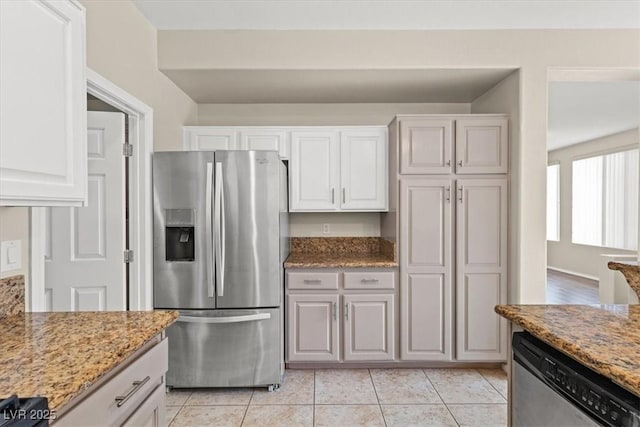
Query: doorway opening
{"points": [[593, 166], [136, 235]]}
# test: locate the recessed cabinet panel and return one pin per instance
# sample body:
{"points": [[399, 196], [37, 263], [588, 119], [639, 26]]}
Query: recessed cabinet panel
{"points": [[314, 171], [425, 146], [363, 170], [425, 317], [425, 222], [482, 215], [480, 331], [368, 333], [481, 145], [267, 139], [312, 327], [210, 138]]}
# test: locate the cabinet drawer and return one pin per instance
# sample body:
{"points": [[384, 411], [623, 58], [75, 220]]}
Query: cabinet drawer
{"points": [[312, 280], [369, 280], [102, 405]]}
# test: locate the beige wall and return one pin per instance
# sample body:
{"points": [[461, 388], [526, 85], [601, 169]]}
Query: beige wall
{"points": [[532, 51], [564, 255], [122, 46], [505, 98], [340, 224], [316, 114], [14, 225]]}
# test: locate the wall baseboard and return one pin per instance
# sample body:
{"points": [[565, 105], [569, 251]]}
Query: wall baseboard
{"points": [[574, 273]]}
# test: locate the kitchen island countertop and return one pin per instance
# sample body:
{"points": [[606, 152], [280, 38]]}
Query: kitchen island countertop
{"points": [[605, 338], [59, 355]]}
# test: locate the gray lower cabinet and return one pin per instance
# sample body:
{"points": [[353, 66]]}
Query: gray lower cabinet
{"points": [[335, 315], [312, 327], [132, 394]]}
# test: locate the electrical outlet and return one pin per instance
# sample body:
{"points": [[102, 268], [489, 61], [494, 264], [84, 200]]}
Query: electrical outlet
{"points": [[325, 229]]}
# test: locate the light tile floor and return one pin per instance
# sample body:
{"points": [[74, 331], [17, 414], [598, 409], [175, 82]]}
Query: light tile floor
{"points": [[352, 397]]}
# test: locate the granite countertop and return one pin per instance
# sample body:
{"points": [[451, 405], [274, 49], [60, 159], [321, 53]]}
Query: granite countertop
{"points": [[341, 252], [324, 260], [631, 272], [59, 355], [605, 338]]}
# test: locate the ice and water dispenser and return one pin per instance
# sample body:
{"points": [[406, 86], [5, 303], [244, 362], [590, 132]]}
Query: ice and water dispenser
{"points": [[179, 234]]}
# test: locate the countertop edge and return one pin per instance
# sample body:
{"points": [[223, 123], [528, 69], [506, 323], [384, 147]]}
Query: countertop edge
{"points": [[570, 349]]}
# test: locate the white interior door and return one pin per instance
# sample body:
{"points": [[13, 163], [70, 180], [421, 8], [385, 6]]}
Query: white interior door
{"points": [[84, 267]]}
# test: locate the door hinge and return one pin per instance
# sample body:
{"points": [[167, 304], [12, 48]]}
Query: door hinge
{"points": [[128, 256], [127, 150]]}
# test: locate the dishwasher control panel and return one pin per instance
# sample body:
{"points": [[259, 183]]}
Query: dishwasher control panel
{"points": [[596, 395]]}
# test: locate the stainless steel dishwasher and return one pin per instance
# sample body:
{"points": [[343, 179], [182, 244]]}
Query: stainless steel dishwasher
{"points": [[551, 389]]}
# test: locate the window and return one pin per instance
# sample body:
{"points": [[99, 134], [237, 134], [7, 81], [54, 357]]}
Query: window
{"points": [[605, 200], [553, 202]]}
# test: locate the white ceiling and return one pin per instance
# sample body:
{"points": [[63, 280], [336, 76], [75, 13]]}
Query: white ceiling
{"points": [[389, 14], [581, 111]]}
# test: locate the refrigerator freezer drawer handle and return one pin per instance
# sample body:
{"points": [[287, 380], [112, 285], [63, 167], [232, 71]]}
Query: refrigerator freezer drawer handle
{"points": [[208, 232], [230, 319]]}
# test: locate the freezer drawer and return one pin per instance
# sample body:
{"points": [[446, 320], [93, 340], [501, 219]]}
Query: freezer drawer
{"points": [[225, 348]]}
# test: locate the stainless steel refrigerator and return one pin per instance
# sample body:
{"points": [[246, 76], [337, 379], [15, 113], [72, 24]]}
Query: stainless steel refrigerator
{"points": [[221, 235]]}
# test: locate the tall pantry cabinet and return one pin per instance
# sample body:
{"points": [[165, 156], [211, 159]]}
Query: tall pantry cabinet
{"points": [[451, 174]]}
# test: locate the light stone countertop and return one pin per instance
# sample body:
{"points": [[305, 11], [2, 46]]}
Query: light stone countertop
{"points": [[59, 355], [605, 338]]}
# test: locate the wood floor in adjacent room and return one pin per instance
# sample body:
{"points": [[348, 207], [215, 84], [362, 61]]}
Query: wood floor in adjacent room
{"points": [[563, 288]]}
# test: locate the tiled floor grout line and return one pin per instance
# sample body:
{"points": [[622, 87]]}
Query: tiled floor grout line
{"points": [[491, 384], [246, 409], [441, 399], [375, 390]]}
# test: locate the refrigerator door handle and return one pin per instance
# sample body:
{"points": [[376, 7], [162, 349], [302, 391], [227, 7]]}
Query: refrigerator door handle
{"points": [[229, 319], [208, 231], [219, 233]]}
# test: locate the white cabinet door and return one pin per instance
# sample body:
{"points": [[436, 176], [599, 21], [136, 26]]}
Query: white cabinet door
{"points": [[369, 327], [313, 171], [481, 225], [363, 170], [43, 159], [482, 145], [210, 138], [425, 263], [426, 146], [265, 139], [312, 327]]}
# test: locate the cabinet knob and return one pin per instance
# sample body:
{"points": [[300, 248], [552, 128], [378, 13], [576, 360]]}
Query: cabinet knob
{"points": [[459, 163], [448, 162]]}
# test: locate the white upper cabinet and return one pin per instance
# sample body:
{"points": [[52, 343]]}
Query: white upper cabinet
{"points": [[313, 171], [481, 145], [433, 145], [363, 170], [425, 146], [237, 138], [43, 153], [265, 139], [210, 138], [344, 170]]}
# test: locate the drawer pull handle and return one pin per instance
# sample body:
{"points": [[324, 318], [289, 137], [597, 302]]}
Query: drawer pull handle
{"points": [[137, 385], [311, 281], [369, 280]]}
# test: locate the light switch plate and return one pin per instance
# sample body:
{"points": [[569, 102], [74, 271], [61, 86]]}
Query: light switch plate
{"points": [[10, 255]]}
